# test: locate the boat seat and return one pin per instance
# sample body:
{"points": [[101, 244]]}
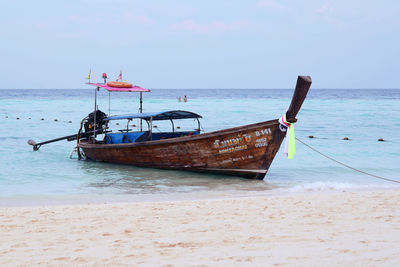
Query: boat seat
{"points": [[119, 138]]}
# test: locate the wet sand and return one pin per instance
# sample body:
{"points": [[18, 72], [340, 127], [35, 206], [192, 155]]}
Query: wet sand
{"points": [[314, 229]]}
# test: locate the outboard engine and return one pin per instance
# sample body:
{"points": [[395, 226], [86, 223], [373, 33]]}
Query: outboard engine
{"points": [[89, 123]]}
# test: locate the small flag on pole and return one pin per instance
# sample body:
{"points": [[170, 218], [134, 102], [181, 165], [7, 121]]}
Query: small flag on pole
{"points": [[88, 76], [119, 78]]}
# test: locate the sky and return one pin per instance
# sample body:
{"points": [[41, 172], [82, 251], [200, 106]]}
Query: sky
{"points": [[200, 44]]}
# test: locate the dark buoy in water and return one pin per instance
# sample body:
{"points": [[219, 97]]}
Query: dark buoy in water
{"points": [[29, 118], [117, 123], [381, 140], [55, 120], [42, 119], [17, 118], [69, 121], [346, 138], [6, 117], [311, 136]]}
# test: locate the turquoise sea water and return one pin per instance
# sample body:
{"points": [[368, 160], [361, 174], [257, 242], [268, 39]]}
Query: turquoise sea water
{"points": [[362, 115]]}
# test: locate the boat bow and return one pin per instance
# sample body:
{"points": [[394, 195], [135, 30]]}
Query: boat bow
{"points": [[302, 86]]}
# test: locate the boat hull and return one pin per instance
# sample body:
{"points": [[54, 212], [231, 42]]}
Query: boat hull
{"points": [[245, 151]]}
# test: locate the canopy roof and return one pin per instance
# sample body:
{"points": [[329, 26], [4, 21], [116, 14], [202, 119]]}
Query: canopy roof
{"points": [[134, 88], [157, 116]]}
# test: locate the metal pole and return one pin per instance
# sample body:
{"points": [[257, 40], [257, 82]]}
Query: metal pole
{"points": [[95, 107], [141, 101], [141, 110], [151, 128], [198, 124]]}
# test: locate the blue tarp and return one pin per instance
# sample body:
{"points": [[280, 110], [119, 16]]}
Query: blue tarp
{"points": [[118, 138], [165, 115]]}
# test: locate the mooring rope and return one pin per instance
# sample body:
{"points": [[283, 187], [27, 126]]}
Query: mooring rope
{"points": [[341, 163]]}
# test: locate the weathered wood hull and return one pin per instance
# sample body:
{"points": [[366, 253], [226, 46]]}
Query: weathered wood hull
{"points": [[245, 151]]}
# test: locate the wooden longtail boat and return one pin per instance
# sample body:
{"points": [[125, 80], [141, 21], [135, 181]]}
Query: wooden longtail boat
{"points": [[245, 151]]}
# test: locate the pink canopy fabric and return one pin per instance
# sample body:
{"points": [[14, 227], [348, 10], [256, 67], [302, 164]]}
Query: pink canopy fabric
{"points": [[134, 88]]}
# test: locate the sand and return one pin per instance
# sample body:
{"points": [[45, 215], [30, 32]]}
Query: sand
{"points": [[314, 229]]}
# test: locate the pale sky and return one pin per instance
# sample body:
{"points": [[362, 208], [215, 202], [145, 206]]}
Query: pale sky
{"points": [[200, 44]]}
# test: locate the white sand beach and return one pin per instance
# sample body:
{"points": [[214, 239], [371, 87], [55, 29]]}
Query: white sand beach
{"points": [[314, 229]]}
